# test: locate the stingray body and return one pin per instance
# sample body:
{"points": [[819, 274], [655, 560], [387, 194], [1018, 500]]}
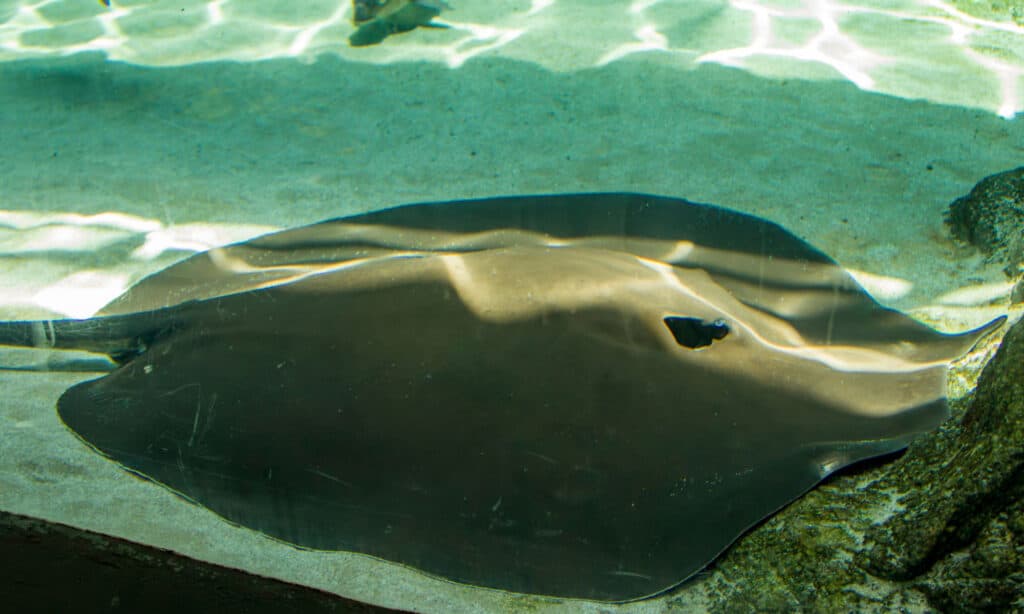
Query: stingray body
{"points": [[572, 395]]}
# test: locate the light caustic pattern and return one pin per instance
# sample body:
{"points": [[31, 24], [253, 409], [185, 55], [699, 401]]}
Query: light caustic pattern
{"points": [[929, 49], [26, 235]]}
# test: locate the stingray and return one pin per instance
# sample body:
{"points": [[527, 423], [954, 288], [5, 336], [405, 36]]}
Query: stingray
{"points": [[586, 395]]}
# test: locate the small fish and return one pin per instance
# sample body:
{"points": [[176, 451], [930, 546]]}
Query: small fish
{"points": [[379, 19], [105, 2], [365, 10]]}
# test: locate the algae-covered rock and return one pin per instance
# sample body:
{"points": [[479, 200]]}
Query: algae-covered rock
{"points": [[960, 539], [939, 529], [991, 217], [976, 553]]}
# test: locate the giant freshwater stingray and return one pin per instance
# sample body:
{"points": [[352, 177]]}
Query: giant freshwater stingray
{"points": [[587, 395]]}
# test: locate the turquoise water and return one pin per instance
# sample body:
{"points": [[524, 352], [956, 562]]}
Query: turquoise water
{"points": [[135, 135]]}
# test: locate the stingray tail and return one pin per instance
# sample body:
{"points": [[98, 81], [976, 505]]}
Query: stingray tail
{"points": [[119, 337]]}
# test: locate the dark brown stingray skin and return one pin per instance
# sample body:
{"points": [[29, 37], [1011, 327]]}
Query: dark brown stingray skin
{"points": [[571, 395]]}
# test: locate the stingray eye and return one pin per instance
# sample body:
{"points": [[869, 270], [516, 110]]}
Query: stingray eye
{"points": [[695, 333]]}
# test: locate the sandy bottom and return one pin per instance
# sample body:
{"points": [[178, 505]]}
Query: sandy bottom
{"points": [[113, 170]]}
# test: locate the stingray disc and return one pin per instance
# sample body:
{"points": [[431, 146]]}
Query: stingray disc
{"points": [[574, 395]]}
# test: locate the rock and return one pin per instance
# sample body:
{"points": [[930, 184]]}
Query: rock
{"points": [[991, 217], [960, 539]]}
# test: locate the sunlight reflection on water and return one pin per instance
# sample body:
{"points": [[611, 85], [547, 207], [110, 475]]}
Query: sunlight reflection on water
{"points": [[910, 48]]}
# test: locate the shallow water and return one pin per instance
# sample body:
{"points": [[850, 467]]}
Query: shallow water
{"points": [[134, 135]]}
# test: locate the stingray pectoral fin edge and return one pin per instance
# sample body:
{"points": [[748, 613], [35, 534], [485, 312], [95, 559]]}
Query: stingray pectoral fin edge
{"points": [[974, 337]]}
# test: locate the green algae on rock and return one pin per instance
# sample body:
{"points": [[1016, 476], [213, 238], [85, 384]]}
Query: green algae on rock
{"points": [[991, 218]]}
